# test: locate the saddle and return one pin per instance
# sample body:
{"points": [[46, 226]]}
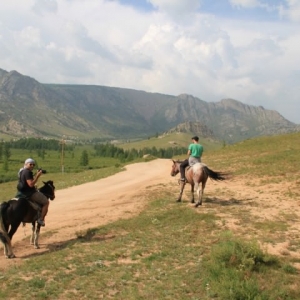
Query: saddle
{"points": [[34, 205], [186, 169]]}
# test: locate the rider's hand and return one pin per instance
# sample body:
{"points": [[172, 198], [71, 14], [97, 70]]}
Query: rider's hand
{"points": [[39, 173]]}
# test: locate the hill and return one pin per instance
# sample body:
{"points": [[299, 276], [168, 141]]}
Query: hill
{"points": [[173, 138], [29, 108]]}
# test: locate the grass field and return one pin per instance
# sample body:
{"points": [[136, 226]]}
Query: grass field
{"points": [[178, 139], [171, 251]]}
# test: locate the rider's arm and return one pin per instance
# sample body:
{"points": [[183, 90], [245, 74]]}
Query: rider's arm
{"points": [[32, 182]]}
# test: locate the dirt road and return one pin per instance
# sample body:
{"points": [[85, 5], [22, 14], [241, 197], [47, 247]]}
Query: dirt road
{"points": [[121, 196], [92, 204]]}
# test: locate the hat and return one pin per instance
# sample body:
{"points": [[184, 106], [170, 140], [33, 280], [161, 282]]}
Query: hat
{"points": [[195, 138], [29, 161]]}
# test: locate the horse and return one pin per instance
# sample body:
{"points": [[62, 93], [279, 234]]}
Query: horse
{"points": [[17, 210], [196, 174]]}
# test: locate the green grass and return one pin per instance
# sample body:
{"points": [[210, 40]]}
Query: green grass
{"points": [[170, 140], [172, 251], [167, 252], [72, 173], [264, 156]]}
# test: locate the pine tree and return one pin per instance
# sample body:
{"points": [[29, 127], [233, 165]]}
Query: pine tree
{"points": [[84, 159]]}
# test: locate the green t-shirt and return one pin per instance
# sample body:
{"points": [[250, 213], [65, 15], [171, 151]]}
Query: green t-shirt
{"points": [[196, 150]]}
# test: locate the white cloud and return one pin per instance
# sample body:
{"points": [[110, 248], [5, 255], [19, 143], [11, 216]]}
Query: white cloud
{"points": [[29, 37], [292, 11], [102, 42], [44, 6]]}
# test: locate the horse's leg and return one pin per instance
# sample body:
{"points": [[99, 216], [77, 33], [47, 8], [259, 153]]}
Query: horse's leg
{"points": [[192, 192], [3, 239], [32, 237], [6, 249], [8, 253], [201, 192], [4, 236], [13, 228], [35, 235], [182, 184]]}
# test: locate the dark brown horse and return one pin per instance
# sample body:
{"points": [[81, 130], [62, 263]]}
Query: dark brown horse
{"points": [[196, 175], [16, 211]]}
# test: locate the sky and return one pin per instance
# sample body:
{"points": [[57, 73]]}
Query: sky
{"points": [[247, 50]]}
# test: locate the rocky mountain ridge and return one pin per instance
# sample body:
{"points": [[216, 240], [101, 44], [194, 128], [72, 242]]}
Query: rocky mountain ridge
{"points": [[29, 108]]}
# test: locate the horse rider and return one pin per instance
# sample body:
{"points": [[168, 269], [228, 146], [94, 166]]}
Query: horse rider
{"points": [[26, 188], [195, 151]]}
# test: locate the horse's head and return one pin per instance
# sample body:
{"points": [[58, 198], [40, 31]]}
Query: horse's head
{"points": [[175, 168], [48, 189]]}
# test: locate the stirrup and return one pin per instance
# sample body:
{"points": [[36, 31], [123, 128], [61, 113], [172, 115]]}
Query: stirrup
{"points": [[181, 180]]}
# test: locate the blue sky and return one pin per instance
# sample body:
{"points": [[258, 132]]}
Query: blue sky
{"points": [[247, 50], [267, 9]]}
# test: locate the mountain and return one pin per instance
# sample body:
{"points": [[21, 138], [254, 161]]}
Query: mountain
{"points": [[29, 108]]}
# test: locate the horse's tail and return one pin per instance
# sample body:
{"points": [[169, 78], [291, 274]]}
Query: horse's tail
{"points": [[216, 176], [3, 233]]}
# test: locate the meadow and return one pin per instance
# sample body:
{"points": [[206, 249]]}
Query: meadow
{"points": [[171, 250]]}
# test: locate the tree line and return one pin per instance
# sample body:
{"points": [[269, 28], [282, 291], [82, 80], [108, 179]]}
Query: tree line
{"points": [[36, 144], [110, 150], [101, 149]]}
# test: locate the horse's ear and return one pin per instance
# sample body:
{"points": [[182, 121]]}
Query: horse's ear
{"points": [[44, 182]]}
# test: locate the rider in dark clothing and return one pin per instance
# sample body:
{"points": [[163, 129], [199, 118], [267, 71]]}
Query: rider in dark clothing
{"points": [[26, 188]]}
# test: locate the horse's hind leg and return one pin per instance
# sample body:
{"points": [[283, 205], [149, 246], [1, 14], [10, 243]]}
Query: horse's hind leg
{"points": [[3, 239], [8, 253], [192, 193], [200, 193], [13, 228]]}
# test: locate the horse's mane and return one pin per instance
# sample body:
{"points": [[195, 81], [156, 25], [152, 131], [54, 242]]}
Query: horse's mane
{"points": [[200, 163], [178, 161]]}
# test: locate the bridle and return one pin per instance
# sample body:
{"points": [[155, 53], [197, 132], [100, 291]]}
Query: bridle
{"points": [[48, 195], [175, 169]]}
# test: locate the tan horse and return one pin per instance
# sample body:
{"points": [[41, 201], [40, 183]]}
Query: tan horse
{"points": [[196, 175]]}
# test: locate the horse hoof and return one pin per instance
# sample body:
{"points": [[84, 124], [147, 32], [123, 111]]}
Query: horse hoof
{"points": [[36, 247], [178, 200], [10, 256]]}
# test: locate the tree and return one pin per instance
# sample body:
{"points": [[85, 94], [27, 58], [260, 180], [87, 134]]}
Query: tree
{"points": [[7, 152], [84, 159], [1, 150], [5, 164]]}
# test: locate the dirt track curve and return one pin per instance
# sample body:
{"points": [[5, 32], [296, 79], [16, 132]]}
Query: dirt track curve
{"points": [[97, 203], [92, 204]]}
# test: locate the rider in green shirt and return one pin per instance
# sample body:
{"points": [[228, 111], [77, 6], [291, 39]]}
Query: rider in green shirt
{"points": [[195, 151]]}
